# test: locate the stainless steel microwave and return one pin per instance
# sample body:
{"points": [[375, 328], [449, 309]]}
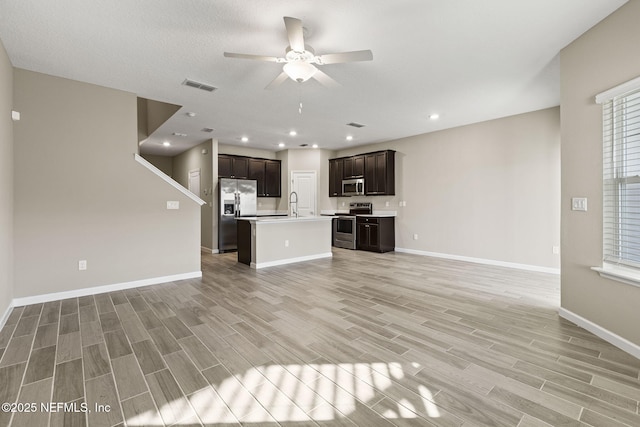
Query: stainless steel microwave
{"points": [[353, 187]]}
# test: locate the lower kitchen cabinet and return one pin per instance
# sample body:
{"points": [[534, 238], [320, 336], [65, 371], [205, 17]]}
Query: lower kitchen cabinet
{"points": [[376, 234]]}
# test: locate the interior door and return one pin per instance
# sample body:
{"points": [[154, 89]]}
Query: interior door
{"points": [[304, 184], [194, 181]]}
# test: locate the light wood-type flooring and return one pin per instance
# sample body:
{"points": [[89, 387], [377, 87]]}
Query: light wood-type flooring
{"points": [[360, 339]]}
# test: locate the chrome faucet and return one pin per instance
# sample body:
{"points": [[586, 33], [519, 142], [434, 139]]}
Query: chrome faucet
{"points": [[292, 202]]}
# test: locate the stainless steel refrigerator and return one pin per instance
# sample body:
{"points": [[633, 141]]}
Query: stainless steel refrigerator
{"points": [[238, 197]]}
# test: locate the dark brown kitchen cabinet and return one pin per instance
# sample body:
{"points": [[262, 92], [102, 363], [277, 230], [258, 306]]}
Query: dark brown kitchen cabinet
{"points": [[379, 176], [353, 167], [233, 166], [375, 234], [266, 172], [335, 177], [272, 183], [257, 172]]}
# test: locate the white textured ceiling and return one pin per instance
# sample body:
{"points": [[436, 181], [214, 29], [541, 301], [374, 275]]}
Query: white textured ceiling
{"points": [[467, 60]]}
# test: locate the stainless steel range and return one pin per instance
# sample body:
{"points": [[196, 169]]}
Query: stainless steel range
{"points": [[344, 227]]}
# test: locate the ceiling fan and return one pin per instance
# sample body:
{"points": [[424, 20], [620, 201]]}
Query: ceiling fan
{"points": [[300, 58]]}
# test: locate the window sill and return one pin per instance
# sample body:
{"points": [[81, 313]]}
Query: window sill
{"points": [[620, 274]]}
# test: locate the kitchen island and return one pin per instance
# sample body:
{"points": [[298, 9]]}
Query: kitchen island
{"points": [[269, 241]]}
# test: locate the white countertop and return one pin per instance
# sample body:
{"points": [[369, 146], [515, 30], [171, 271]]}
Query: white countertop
{"points": [[375, 213], [281, 219]]}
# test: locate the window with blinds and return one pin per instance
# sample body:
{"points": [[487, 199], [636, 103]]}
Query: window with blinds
{"points": [[621, 178]]}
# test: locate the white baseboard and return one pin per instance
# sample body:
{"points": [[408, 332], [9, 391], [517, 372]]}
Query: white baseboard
{"points": [[290, 260], [36, 299], [618, 341], [209, 250], [527, 267]]}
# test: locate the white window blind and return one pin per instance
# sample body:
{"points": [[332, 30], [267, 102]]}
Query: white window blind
{"points": [[621, 180]]}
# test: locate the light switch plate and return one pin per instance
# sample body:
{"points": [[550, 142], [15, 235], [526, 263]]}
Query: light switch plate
{"points": [[579, 204], [173, 204]]}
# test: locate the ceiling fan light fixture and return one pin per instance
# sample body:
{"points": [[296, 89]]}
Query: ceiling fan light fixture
{"points": [[299, 71]]}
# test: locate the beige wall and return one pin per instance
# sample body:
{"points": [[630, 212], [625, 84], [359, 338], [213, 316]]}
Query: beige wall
{"points": [[164, 163], [602, 58], [192, 159], [79, 193], [6, 182], [488, 190]]}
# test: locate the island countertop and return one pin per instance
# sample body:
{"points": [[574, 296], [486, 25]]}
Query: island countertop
{"points": [[280, 219]]}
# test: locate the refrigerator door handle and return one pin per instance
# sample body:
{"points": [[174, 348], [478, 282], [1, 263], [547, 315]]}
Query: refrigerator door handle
{"points": [[237, 199]]}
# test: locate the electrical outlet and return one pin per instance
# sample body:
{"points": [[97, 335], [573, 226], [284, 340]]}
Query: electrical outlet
{"points": [[82, 265], [555, 250], [386, 204], [415, 237], [286, 243], [579, 204]]}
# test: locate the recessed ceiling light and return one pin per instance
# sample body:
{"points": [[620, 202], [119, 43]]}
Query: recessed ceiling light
{"points": [[281, 144], [191, 114], [244, 139], [166, 144], [293, 133], [314, 146], [349, 138], [434, 116]]}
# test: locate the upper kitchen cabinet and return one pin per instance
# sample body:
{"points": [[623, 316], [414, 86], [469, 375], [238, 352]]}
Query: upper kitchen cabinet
{"points": [[335, 177], [377, 168], [233, 166], [379, 176], [353, 167], [272, 183], [265, 171]]}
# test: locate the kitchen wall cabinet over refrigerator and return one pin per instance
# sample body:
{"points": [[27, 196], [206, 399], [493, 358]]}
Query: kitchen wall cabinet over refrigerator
{"points": [[266, 172], [233, 167]]}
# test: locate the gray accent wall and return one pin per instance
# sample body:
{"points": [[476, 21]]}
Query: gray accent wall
{"points": [[80, 195], [602, 58], [489, 190], [6, 182]]}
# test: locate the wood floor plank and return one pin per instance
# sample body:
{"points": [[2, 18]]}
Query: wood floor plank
{"points": [[41, 364], [117, 343], [101, 393], [141, 411], [128, 377], [168, 397], [68, 384], [96, 360], [148, 356], [185, 372], [69, 347]]}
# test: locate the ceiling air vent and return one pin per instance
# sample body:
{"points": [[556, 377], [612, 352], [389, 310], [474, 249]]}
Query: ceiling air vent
{"points": [[209, 130], [198, 85], [355, 125]]}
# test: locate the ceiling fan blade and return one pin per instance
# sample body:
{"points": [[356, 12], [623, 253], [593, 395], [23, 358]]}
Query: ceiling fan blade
{"points": [[277, 81], [294, 32], [248, 56], [336, 58], [325, 80]]}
